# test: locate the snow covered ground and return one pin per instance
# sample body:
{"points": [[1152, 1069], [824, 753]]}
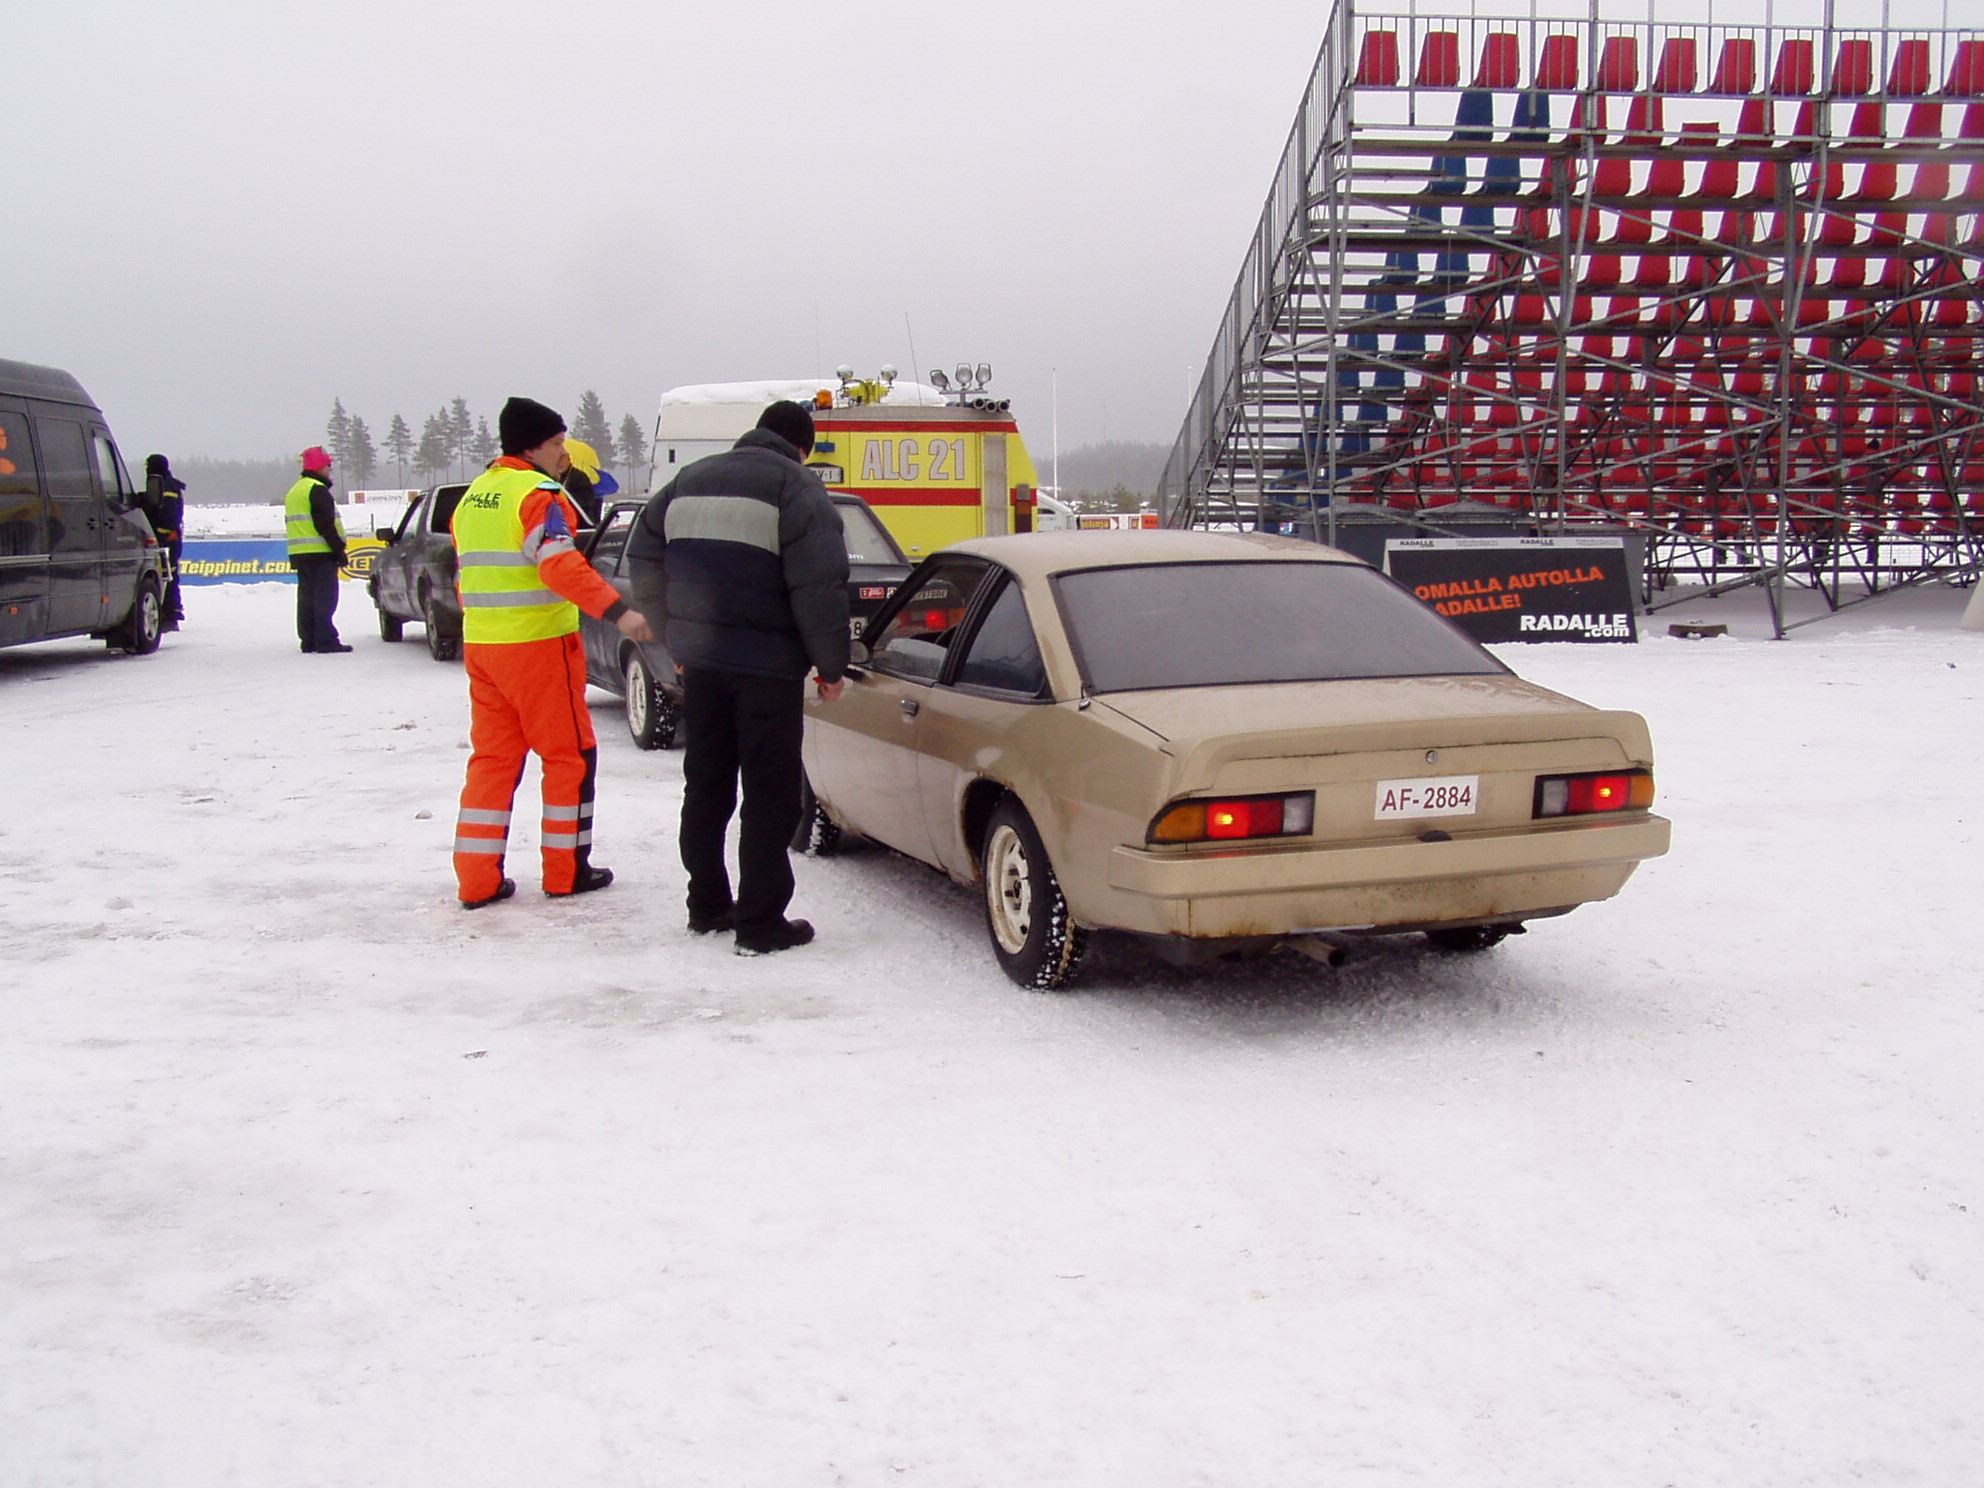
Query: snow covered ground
{"points": [[309, 1178]]}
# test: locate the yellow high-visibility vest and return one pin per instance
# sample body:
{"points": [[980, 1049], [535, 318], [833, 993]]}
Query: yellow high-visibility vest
{"points": [[503, 599], [304, 538]]}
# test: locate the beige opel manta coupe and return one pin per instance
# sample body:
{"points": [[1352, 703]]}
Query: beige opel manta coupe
{"points": [[1217, 741]]}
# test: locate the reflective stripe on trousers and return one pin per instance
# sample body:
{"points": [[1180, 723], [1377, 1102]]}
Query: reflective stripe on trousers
{"points": [[526, 697]]}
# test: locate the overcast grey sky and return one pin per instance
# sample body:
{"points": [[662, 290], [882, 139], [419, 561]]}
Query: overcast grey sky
{"points": [[225, 213]]}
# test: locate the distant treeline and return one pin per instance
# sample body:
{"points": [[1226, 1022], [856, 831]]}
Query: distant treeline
{"points": [[1116, 475], [454, 443], [234, 482]]}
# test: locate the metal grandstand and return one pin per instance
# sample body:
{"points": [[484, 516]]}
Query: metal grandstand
{"points": [[1717, 285]]}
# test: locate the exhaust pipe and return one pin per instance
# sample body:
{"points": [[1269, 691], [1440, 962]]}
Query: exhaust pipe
{"points": [[1330, 952]]}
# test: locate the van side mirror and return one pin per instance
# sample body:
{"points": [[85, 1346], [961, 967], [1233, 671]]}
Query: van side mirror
{"points": [[858, 653], [384, 534]]}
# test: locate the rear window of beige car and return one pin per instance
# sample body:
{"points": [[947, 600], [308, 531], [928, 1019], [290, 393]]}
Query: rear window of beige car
{"points": [[1207, 624]]}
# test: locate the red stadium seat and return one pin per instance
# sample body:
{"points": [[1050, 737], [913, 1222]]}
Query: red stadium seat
{"points": [[1676, 72], [1966, 79], [1736, 69], [1377, 61], [1794, 66], [1557, 64], [1853, 67], [1619, 65], [1500, 62], [1439, 60], [1909, 76]]}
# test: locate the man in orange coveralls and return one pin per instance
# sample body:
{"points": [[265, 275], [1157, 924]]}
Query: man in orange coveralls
{"points": [[523, 583]]}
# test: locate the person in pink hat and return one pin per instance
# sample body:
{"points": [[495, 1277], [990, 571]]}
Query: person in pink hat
{"points": [[316, 552]]}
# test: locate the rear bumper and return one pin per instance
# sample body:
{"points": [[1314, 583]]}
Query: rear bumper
{"points": [[1285, 891]]}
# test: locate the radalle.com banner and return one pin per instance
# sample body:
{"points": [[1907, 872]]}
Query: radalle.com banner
{"points": [[1521, 588]]}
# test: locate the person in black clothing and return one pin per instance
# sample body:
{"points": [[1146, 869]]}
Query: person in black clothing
{"points": [[164, 502], [742, 558]]}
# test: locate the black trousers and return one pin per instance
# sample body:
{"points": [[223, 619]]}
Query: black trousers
{"points": [[740, 728], [316, 600]]}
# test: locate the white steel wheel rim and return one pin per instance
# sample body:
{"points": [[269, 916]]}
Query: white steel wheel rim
{"points": [[637, 695], [148, 611], [1009, 890]]}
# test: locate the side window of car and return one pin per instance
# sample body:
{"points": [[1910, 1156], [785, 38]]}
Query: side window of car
{"points": [[410, 519], [445, 501], [1003, 655], [612, 542], [22, 533], [110, 470], [917, 636]]}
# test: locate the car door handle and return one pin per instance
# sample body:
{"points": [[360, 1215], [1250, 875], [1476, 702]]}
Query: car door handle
{"points": [[908, 706]]}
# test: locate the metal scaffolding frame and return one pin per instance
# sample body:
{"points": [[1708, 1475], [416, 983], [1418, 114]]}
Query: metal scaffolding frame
{"points": [[1733, 307]]}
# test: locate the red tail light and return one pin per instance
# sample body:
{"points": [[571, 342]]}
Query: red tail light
{"points": [[1231, 818], [1583, 795]]}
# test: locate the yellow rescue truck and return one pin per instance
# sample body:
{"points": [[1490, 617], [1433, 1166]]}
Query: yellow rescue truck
{"points": [[939, 462]]}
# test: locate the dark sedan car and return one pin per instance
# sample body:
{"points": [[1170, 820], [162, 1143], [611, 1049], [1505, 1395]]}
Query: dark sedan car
{"points": [[413, 577], [644, 674]]}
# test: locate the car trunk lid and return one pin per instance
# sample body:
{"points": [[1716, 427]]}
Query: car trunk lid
{"points": [[1346, 740]]}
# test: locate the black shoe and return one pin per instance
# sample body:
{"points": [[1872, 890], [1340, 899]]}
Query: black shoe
{"points": [[503, 891], [587, 879], [332, 649], [713, 924], [783, 937]]}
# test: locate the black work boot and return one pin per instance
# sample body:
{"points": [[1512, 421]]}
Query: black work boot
{"points": [[586, 880], [714, 922], [503, 891], [781, 937]]}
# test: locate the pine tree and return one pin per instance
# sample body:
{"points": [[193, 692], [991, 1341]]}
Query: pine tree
{"points": [[337, 434], [633, 449], [430, 458], [399, 444], [591, 426], [483, 447], [461, 428], [361, 458]]}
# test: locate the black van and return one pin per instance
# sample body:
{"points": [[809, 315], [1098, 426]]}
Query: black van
{"points": [[77, 556]]}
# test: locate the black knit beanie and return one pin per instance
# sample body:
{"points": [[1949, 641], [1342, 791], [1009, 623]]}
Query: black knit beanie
{"points": [[524, 424], [792, 422]]}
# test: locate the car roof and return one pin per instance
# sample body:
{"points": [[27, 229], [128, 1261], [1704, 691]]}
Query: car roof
{"points": [[1037, 555], [26, 380]]}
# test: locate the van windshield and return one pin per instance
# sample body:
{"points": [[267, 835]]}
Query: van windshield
{"points": [[1207, 624]]}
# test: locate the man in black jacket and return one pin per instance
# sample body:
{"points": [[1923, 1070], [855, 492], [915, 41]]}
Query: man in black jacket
{"points": [[742, 557]]}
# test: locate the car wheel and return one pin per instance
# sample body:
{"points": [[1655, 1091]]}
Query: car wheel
{"points": [[818, 835], [1468, 939], [1036, 942], [651, 717], [390, 629], [139, 634], [442, 642]]}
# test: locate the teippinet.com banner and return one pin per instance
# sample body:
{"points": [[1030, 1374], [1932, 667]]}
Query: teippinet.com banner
{"points": [[249, 560], [1521, 588]]}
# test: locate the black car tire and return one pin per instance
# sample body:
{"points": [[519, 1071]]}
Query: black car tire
{"points": [[391, 628], [139, 633], [818, 835], [442, 641], [1026, 914], [651, 716], [1469, 939]]}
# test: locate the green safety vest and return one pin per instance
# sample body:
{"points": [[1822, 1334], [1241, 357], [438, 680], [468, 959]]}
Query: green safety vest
{"points": [[503, 599], [304, 538]]}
